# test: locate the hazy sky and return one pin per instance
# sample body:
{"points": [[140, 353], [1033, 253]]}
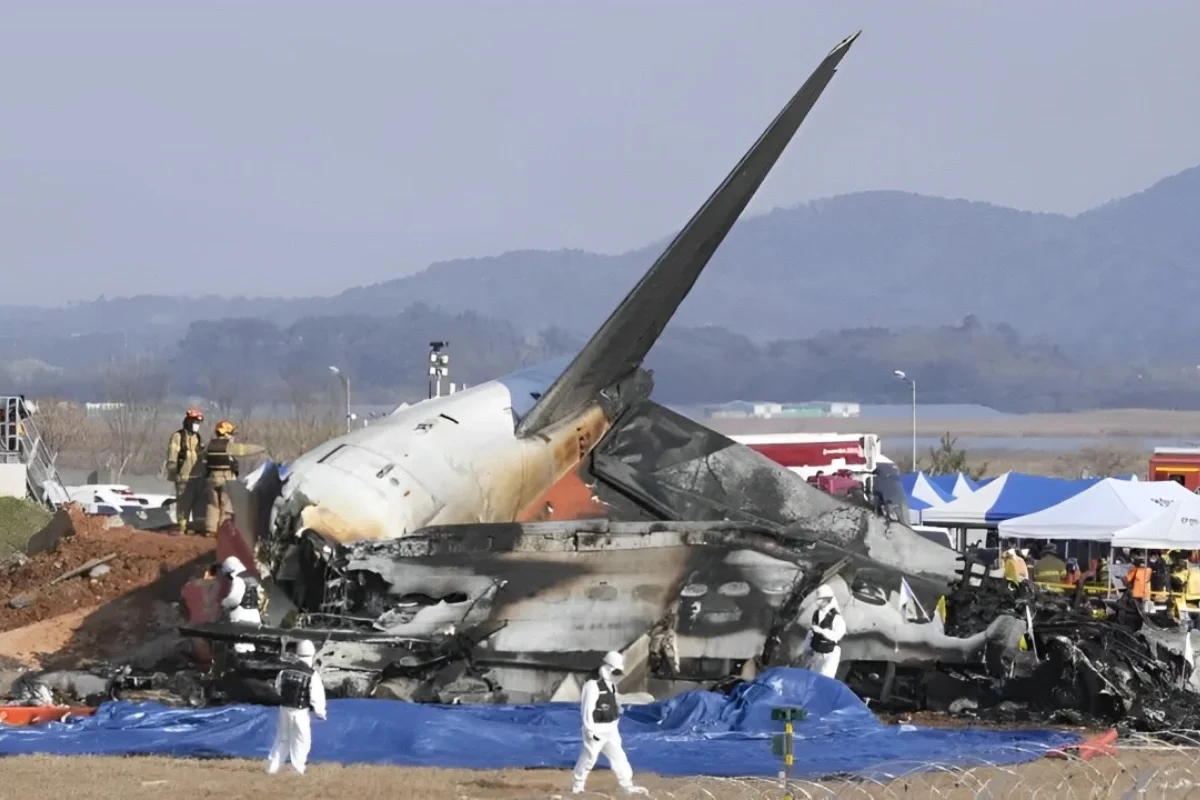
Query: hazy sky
{"points": [[298, 147]]}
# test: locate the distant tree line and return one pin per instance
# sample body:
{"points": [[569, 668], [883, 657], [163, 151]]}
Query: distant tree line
{"points": [[243, 363]]}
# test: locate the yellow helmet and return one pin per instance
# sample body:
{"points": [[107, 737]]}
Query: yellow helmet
{"points": [[225, 428]]}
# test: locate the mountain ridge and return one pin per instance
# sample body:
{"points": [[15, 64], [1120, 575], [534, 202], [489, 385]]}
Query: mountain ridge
{"points": [[1113, 281]]}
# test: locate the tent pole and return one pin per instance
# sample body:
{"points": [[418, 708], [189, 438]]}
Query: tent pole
{"points": [[1110, 571]]}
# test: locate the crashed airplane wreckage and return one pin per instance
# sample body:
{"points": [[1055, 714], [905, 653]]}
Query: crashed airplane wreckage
{"points": [[503, 537]]}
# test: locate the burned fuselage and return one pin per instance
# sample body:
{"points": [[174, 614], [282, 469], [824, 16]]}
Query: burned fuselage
{"points": [[689, 602]]}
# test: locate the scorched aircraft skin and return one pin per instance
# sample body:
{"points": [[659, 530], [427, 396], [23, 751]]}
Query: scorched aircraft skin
{"points": [[501, 538]]}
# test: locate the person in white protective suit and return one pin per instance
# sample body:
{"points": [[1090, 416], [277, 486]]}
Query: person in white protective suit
{"points": [[821, 644], [300, 691], [241, 603], [601, 714]]}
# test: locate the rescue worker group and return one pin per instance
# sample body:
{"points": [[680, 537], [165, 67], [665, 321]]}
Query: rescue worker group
{"points": [[1167, 578], [200, 471]]}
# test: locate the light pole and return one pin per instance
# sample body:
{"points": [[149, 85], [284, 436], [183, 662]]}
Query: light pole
{"points": [[439, 367], [904, 377], [346, 391]]}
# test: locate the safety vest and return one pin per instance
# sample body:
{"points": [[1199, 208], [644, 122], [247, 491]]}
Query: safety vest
{"points": [[1015, 570], [606, 709], [295, 686], [1138, 581], [217, 457], [822, 644], [1050, 569]]}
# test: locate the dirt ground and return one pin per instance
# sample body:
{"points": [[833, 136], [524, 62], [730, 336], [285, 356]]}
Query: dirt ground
{"points": [[85, 618], [1173, 774]]}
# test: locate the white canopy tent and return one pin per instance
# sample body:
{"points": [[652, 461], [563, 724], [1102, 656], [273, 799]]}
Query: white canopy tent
{"points": [[1097, 512], [1175, 527]]}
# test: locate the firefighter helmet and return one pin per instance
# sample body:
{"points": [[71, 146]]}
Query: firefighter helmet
{"points": [[225, 428], [194, 413]]}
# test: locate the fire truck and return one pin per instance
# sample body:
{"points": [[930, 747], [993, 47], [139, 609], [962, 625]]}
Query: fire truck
{"points": [[846, 464], [837, 463], [1179, 464], [806, 454]]}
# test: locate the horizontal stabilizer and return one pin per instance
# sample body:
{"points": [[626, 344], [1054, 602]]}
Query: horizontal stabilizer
{"points": [[622, 342]]}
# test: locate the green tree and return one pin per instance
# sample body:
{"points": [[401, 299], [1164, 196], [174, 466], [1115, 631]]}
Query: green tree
{"points": [[948, 458]]}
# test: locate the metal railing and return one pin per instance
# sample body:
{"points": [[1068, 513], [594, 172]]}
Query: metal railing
{"points": [[20, 443]]}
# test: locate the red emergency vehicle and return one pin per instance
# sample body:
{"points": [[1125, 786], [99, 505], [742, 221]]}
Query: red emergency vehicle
{"points": [[1179, 464], [806, 454]]}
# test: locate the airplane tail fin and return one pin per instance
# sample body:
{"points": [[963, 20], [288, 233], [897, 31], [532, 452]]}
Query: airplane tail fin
{"points": [[622, 342]]}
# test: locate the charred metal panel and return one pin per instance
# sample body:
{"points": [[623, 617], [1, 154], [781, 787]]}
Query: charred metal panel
{"points": [[676, 468]]}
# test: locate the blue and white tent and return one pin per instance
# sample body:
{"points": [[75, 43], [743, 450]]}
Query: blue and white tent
{"points": [[956, 485], [1013, 494], [922, 492]]}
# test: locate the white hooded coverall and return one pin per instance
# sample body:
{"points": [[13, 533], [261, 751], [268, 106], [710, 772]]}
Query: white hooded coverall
{"points": [[828, 622], [231, 604], [600, 737], [293, 733]]}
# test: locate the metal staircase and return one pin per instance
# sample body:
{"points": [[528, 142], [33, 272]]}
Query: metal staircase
{"points": [[20, 443]]}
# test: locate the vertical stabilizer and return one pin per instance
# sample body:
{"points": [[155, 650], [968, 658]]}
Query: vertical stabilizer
{"points": [[622, 342]]}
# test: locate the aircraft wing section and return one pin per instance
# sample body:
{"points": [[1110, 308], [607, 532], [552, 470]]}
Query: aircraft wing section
{"points": [[622, 342]]}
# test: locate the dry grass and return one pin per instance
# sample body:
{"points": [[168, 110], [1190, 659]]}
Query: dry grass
{"points": [[19, 520], [1083, 424], [1093, 460], [94, 442], [1158, 773]]}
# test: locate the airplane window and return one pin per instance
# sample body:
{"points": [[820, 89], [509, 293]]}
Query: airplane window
{"points": [[734, 589], [869, 585]]}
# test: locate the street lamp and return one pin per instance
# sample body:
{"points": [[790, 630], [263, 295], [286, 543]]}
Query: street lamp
{"points": [[904, 377], [346, 391]]}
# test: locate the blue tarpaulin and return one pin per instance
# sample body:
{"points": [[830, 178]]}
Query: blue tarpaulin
{"points": [[695, 733]]}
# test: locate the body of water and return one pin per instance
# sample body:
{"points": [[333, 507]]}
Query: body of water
{"points": [[900, 443]]}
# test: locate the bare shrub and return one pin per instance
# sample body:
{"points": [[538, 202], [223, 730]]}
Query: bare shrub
{"points": [[313, 417], [289, 438], [136, 389], [63, 426], [1100, 462]]}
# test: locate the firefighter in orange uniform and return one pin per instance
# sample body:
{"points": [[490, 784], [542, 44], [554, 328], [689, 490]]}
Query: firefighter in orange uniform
{"points": [[221, 466]]}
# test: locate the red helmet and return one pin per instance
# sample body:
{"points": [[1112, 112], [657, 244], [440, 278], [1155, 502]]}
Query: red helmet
{"points": [[194, 413]]}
